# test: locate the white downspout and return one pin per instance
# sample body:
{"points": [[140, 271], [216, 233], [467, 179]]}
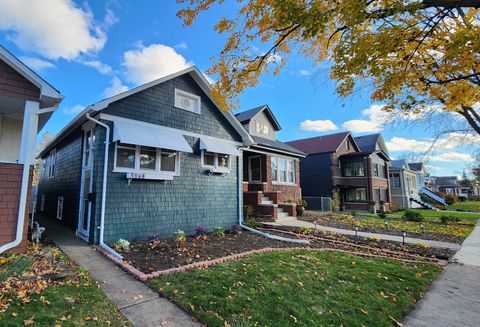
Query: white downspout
{"points": [[104, 188], [29, 133], [240, 207]]}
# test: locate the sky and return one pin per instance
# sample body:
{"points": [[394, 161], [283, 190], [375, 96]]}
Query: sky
{"points": [[90, 50]]}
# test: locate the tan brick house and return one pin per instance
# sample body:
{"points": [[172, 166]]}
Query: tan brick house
{"points": [[271, 169], [26, 104]]}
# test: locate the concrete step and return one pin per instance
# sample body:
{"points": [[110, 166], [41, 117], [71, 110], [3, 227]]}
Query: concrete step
{"points": [[266, 202]]}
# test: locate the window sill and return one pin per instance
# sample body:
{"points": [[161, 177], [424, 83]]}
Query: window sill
{"points": [[145, 174], [217, 170], [283, 183]]}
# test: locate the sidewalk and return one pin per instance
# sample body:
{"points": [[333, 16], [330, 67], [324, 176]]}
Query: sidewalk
{"points": [[386, 237], [141, 305], [454, 297]]}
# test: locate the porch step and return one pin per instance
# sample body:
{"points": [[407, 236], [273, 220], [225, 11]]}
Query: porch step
{"points": [[283, 215]]}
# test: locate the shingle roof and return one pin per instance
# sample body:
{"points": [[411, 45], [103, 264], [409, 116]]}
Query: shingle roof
{"points": [[246, 116], [367, 143], [277, 145], [400, 164], [446, 180], [320, 144], [418, 166]]}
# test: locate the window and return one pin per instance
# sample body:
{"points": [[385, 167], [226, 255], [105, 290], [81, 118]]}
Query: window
{"points": [[187, 101], [348, 146], [51, 163], [375, 170], [380, 195], [355, 195], [283, 170], [353, 169], [395, 180], [129, 158], [216, 161], [60, 207], [262, 129]]}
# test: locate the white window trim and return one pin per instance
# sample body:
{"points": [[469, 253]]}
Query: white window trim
{"points": [[60, 208], [294, 183], [215, 168], [52, 163], [156, 173], [195, 98]]}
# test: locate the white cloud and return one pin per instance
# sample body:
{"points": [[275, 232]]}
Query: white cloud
{"points": [[37, 63], [53, 28], [374, 119], [182, 45], [115, 88], [146, 64], [304, 72], [450, 141], [74, 110], [397, 144], [98, 65], [318, 125], [452, 157]]}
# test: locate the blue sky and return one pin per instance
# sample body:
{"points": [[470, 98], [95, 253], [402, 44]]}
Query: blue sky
{"points": [[91, 50]]}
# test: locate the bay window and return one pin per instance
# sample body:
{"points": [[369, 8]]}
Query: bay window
{"points": [[353, 169], [283, 170]]}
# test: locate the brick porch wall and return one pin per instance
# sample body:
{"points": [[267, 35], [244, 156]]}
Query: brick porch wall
{"points": [[10, 187]]}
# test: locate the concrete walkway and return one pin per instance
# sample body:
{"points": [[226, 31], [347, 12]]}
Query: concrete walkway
{"points": [[454, 297], [300, 223], [141, 305]]}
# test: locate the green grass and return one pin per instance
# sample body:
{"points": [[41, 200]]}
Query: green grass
{"points": [[73, 302], [431, 215], [467, 205], [299, 288]]}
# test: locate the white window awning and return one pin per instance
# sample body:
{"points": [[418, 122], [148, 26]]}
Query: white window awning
{"points": [[218, 146], [150, 135]]}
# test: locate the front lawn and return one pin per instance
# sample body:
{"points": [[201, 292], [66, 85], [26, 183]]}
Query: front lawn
{"points": [[467, 206], [299, 288], [465, 217], [44, 288]]}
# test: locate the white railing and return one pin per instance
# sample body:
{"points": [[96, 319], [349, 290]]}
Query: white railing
{"points": [[433, 195]]}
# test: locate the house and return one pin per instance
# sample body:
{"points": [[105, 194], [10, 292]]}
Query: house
{"points": [[172, 159], [354, 168], [271, 169], [452, 185], [26, 103]]}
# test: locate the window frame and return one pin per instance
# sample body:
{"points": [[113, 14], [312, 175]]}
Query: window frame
{"points": [[345, 166], [215, 167], [289, 162], [52, 164], [355, 190], [136, 167], [60, 202]]}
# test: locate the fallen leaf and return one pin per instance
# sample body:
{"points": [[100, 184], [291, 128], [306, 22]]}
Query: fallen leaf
{"points": [[14, 314], [87, 318], [364, 311], [28, 321]]}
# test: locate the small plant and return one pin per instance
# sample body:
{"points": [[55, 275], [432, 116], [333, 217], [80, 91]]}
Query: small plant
{"points": [[251, 222], [305, 230], [247, 211], [411, 215], [353, 213], [345, 216], [382, 215], [335, 201], [123, 245], [449, 219], [301, 202], [288, 201], [200, 230], [395, 207], [180, 235], [236, 229], [219, 231]]}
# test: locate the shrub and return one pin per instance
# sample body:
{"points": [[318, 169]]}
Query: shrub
{"points": [[335, 201], [123, 244], [180, 235], [382, 215], [449, 219], [251, 222], [301, 202], [305, 230], [411, 215], [353, 213], [451, 199], [345, 216], [200, 230], [247, 211], [219, 231], [395, 207]]}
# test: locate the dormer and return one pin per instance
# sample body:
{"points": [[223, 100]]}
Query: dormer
{"points": [[260, 122]]}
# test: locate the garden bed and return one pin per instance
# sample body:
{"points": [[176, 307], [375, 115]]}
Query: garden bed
{"points": [[452, 233], [162, 255]]}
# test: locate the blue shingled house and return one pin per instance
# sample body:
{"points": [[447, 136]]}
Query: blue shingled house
{"points": [[171, 158]]}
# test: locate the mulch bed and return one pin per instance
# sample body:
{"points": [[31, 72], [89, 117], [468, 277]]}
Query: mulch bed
{"points": [[336, 223], [165, 254]]}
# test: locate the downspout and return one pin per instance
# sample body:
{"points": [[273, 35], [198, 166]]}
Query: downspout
{"points": [[30, 125], [104, 188], [240, 207]]}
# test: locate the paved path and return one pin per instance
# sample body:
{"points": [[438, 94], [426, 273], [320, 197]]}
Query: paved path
{"points": [[454, 297], [300, 223], [141, 305]]}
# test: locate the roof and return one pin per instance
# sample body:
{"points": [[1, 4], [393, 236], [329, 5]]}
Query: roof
{"points": [[193, 71], [245, 116], [418, 166], [277, 145], [372, 143], [446, 180], [399, 164], [320, 144]]}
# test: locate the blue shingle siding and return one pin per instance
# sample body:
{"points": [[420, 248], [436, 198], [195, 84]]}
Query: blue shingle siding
{"points": [[66, 182], [152, 207]]}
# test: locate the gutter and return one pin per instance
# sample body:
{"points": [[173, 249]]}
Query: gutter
{"points": [[240, 207], [104, 188], [30, 126]]}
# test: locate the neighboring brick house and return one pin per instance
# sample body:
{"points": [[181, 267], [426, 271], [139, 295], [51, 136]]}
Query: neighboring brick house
{"points": [[26, 104], [271, 173], [355, 168], [172, 164]]}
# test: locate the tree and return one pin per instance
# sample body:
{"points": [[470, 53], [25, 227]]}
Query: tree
{"points": [[414, 55]]}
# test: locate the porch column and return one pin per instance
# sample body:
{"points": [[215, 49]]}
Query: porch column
{"points": [[29, 133]]}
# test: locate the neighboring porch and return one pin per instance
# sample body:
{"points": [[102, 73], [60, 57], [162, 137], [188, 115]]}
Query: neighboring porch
{"points": [[362, 197], [270, 185]]}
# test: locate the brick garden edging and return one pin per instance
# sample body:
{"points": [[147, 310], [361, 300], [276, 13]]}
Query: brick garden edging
{"points": [[207, 263]]}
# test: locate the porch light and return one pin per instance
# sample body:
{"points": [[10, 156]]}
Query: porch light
{"points": [[356, 231]]}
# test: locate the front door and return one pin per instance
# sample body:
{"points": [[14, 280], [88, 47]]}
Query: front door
{"points": [[86, 195], [255, 169]]}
